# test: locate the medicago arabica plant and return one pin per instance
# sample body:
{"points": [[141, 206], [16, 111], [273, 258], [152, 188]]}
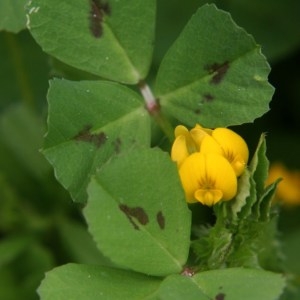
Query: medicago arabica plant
{"points": [[114, 149]]}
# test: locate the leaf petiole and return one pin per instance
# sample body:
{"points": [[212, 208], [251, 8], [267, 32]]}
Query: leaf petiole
{"points": [[154, 109]]}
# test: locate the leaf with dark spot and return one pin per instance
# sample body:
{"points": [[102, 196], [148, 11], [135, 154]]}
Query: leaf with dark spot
{"points": [[160, 218], [219, 71], [97, 13], [117, 145], [208, 97], [85, 136], [106, 8], [197, 111], [220, 296], [137, 213]]}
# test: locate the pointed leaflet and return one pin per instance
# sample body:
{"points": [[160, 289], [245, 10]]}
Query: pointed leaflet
{"points": [[88, 123], [259, 166], [87, 282], [214, 73], [242, 196], [109, 38], [233, 284], [137, 214]]}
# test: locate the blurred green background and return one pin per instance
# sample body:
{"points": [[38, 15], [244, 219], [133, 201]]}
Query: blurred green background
{"points": [[39, 225]]}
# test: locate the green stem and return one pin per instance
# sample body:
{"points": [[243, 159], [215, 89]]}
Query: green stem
{"points": [[154, 109], [19, 68]]}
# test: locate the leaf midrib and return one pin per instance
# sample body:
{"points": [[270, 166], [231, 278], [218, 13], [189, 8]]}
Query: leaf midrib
{"points": [[143, 228], [104, 128]]}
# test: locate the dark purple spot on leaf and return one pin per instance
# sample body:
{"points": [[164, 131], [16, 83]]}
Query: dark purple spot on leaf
{"points": [[160, 218], [219, 71], [220, 296], [98, 139], [97, 12], [106, 8], [133, 213], [208, 97], [117, 145], [197, 111]]}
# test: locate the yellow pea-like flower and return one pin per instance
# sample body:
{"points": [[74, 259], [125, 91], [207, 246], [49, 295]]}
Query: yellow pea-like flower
{"points": [[187, 142], [221, 141], [229, 144], [207, 178]]}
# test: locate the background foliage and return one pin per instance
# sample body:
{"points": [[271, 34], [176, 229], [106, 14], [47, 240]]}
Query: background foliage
{"points": [[39, 227]]}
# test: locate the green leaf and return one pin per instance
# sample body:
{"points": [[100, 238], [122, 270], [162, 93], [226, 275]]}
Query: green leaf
{"points": [[88, 123], [233, 284], [178, 287], [250, 200], [139, 217], [12, 15], [87, 282], [259, 165], [243, 193], [112, 39], [265, 200], [214, 74]]}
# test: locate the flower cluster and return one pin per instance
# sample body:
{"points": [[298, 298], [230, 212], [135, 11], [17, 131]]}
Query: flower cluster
{"points": [[209, 162]]}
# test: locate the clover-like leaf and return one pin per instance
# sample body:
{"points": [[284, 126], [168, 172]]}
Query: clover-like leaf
{"points": [[88, 282], [214, 73], [109, 38], [137, 214], [89, 122]]}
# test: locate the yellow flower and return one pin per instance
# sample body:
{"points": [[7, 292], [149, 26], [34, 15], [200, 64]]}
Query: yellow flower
{"points": [[207, 178], [187, 142], [221, 141], [229, 144], [288, 190]]}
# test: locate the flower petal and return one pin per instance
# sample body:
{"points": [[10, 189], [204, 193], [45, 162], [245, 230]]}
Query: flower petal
{"points": [[231, 145], [207, 177], [208, 197], [234, 147], [180, 130], [179, 151]]}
